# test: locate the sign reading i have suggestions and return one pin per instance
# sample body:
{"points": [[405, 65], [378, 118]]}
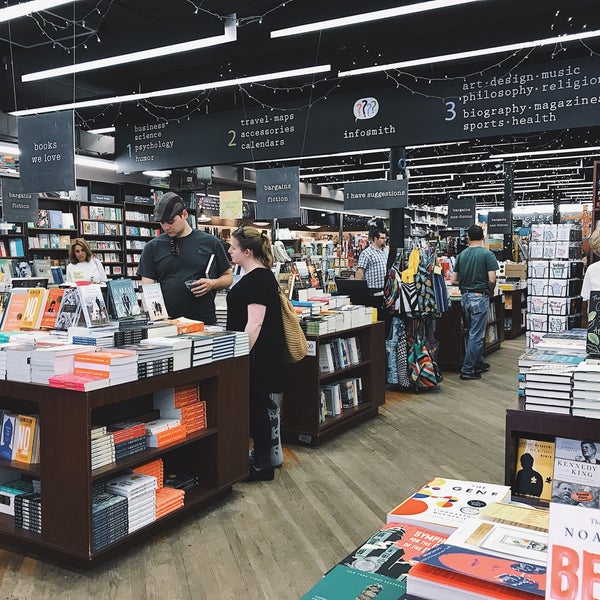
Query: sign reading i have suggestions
{"points": [[376, 194]]}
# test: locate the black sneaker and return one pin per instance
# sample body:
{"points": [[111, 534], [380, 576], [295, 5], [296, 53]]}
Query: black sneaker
{"points": [[482, 368], [474, 375]]}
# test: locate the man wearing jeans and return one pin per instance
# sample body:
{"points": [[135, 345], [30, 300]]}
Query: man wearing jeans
{"points": [[475, 274]]}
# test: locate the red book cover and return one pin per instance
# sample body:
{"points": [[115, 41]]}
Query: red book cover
{"points": [[51, 308]]}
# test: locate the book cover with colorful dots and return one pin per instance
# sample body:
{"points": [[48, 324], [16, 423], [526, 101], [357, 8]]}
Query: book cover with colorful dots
{"points": [[444, 504]]}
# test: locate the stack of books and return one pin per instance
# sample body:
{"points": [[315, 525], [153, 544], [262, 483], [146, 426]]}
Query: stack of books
{"points": [[101, 337], [131, 331], [182, 349], [152, 359], [28, 512], [163, 432], [168, 499], [9, 491], [102, 447], [189, 410], [18, 362], [185, 325], [129, 438], [181, 481], [52, 360], [202, 349], [80, 381], [223, 344], [242, 343], [548, 388], [109, 519], [120, 365], [140, 491], [586, 389], [154, 468]]}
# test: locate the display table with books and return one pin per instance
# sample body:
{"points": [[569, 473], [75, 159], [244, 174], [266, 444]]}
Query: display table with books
{"points": [[78, 474]]}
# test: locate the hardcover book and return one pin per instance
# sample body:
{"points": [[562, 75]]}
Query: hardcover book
{"points": [[123, 298], [533, 469], [5, 270], [93, 306], [13, 312], [51, 308], [444, 504], [41, 267], [69, 311], [573, 554], [8, 436], [592, 346], [153, 301], [34, 308], [576, 477]]}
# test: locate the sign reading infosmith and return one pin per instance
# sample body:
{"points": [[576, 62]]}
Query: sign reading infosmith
{"points": [[376, 194]]}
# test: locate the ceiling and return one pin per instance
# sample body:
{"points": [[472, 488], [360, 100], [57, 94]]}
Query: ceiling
{"points": [[92, 29]]}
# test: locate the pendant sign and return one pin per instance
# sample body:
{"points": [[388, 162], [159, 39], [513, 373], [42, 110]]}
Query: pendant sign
{"points": [[376, 194], [278, 193], [230, 204], [18, 206], [47, 147], [499, 222], [461, 213]]}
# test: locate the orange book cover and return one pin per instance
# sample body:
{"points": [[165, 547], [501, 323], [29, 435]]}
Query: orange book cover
{"points": [[13, 313], [34, 307], [185, 325], [51, 309], [25, 438], [170, 435], [107, 357]]}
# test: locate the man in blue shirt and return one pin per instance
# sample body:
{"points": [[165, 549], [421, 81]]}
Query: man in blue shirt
{"points": [[475, 274], [372, 262]]}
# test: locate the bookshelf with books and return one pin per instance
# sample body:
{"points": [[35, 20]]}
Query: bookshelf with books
{"points": [[217, 454], [302, 418], [515, 312], [451, 333], [139, 229]]}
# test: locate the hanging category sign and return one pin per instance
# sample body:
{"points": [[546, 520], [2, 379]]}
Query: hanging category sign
{"points": [[18, 206], [278, 193], [47, 152], [230, 204], [461, 213], [499, 222], [376, 194]]}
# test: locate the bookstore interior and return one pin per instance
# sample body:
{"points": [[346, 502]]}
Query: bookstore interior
{"points": [[156, 405]]}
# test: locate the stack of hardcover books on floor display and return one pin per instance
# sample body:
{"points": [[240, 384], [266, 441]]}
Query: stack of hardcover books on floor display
{"points": [[109, 519], [202, 349], [182, 349], [93, 336], [181, 481], [120, 365], [586, 389], [28, 512], [167, 499], [242, 343], [102, 447], [140, 491], [164, 431], [129, 438], [548, 388], [152, 359], [223, 344], [52, 360], [182, 403]]}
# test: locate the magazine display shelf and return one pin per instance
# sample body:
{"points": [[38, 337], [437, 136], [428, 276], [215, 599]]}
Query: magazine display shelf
{"points": [[301, 403], [219, 454], [530, 424], [452, 336]]}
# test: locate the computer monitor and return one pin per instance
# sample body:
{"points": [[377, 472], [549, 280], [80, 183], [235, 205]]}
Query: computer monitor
{"points": [[29, 282], [352, 287]]}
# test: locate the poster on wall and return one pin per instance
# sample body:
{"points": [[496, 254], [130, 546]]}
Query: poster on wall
{"points": [[461, 213], [278, 193], [47, 147], [230, 204], [18, 206]]}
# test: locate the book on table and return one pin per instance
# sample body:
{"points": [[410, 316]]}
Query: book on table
{"points": [[533, 468], [92, 304], [153, 301], [69, 312], [13, 311], [34, 308], [123, 299], [51, 308]]}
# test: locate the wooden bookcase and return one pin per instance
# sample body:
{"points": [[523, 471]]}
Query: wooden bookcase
{"points": [[452, 335], [139, 229], [515, 307], [301, 404], [531, 424], [218, 454]]}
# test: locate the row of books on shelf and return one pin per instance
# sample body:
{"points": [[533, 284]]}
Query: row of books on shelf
{"points": [[15, 247], [53, 219], [101, 228], [339, 353], [335, 397], [136, 215], [52, 241], [102, 213], [455, 540], [137, 231], [19, 437], [135, 244], [96, 245]]}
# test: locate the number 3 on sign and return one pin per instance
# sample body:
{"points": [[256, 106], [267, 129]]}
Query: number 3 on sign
{"points": [[451, 110]]}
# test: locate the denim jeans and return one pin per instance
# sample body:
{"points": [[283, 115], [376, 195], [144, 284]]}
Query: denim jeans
{"points": [[475, 313]]}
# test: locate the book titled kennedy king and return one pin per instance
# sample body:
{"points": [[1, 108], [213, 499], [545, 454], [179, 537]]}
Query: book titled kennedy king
{"points": [[573, 553], [444, 504]]}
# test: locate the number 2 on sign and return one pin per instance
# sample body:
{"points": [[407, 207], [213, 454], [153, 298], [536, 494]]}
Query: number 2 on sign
{"points": [[232, 142]]}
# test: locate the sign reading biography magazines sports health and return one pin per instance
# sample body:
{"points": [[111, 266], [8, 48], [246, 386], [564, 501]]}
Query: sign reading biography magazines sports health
{"points": [[47, 147], [461, 213], [499, 222], [18, 206], [278, 193], [534, 97], [376, 194]]}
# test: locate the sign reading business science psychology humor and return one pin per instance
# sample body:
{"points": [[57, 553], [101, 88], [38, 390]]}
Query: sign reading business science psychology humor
{"points": [[499, 222], [555, 95], [277, 193], [18, 206], [461, 213], [47, 147], [376, 194]]}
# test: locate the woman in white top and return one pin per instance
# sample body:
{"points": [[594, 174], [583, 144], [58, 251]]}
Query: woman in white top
{"points": [[82, 265]]}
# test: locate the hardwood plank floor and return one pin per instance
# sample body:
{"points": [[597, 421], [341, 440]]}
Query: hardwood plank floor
{"points": [[274, 540]]}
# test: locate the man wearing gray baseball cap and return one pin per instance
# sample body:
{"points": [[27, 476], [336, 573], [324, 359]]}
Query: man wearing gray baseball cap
{"points": [[190, 265]]}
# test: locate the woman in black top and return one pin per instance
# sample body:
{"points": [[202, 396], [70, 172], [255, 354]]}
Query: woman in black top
{"points": [[253, 306]]}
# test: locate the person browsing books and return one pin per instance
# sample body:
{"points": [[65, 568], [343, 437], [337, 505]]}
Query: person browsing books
{"points": [[475, 274], [83, 266], [253, 306], [183, 254], [372, 261]]}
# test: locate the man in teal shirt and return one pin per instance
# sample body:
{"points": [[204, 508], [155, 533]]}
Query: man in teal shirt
{"points": [[475, 274]]}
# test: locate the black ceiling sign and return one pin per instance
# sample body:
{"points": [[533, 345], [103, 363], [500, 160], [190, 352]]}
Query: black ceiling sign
{"points": [[18, 206], [461, 213], [376, 194], [541, 97], [47, 147], [277, 193], [499, 222]]}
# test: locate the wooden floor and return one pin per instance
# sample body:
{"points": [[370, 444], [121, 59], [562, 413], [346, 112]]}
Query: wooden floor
{"points": [[274, 540]]}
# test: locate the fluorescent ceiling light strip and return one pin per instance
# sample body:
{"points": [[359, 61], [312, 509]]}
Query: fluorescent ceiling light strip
{"points": [[436, 145], [103, 130], [158, 174], [95, 163], [545, 152], [9, 149], [314, 156], [229, 35], [332, 173], [558, 39], [175, 91], [366, 17], [26, 8], [452, 164], [551, 168]]}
